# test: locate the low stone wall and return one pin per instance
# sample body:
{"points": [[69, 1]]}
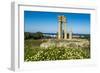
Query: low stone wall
{"points": [[75, 43]]}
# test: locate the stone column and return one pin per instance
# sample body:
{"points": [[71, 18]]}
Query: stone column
{"points": [[65, 29], [59, 28], [70, 34]]}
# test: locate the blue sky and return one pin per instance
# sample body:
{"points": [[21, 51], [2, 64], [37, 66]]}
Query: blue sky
{"points": [[47, 22]]}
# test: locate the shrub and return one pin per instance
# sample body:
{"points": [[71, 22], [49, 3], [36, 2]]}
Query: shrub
{"points": [[52, 53], [62, 50]]}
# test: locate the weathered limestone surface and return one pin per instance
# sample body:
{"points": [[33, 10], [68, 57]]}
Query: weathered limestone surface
{"points": [[62, 23], [73, 43]]}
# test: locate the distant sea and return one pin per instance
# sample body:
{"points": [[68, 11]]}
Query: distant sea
{"points": [[74, 34]]}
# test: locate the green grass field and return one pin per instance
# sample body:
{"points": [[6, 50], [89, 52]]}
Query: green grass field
{"points": [[33, 52]]}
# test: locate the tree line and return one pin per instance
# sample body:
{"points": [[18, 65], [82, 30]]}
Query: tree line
{"points": [[29, 35], [36, 35]]}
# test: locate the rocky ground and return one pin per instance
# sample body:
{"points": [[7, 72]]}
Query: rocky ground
{"points": [[52, 49], [74, 43]]}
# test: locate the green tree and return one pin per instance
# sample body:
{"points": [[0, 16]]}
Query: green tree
{"points": [[38, 35], [26, 35]]}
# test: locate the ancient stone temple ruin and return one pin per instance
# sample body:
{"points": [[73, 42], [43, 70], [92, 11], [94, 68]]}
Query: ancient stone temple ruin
{"points": [[62, 29]]}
